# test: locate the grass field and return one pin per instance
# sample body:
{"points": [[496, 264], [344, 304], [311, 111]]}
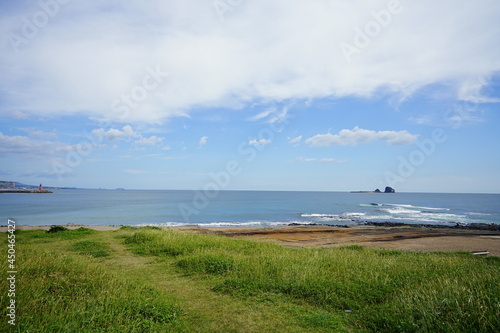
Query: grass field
{"points": [[152, 280]]}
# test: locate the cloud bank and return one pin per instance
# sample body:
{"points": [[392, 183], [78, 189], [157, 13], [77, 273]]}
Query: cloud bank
{"points": [[320, 160], [26, 147], [109, 59], [358, 135]]}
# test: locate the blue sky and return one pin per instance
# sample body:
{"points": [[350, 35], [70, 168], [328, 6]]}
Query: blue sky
{"points": [[275, 95]]}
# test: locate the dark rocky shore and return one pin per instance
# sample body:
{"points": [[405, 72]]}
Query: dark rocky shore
{"points": [[472, 226]]}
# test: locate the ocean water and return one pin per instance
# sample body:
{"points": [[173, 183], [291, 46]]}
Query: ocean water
{"points": [[245, 208]]}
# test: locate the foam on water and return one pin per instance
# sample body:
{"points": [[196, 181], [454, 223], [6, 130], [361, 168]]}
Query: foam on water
{"points": [[394, 212], [218, 224]]}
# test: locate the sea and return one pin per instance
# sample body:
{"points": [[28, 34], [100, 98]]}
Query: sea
{"points": [[245, 208]]}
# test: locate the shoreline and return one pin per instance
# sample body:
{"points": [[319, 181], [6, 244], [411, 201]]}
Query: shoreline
{"points": [[391, 236], [25, 191], [456, 226]]}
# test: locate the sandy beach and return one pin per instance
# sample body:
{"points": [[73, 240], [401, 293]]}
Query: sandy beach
{"points": [[395, 238]]}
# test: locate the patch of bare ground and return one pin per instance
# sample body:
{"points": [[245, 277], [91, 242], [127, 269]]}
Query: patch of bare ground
{"points": [[394, 238]]}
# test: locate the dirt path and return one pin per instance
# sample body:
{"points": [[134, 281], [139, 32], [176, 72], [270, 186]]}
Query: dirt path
{"points": [[218, 312]]}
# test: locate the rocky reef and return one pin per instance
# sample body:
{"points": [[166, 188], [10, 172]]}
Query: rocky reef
{"points": [[388, 189]]}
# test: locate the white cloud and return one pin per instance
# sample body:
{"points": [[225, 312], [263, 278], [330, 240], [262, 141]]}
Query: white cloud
{"points": [[19, 114], [476, 91], [203, 141], [358, 135], [127, 133], [305, 159], [319, 160], [29, 148], [295, 140], [260, 142], [263, 114], [113, 134], [40, 134], [263, 51], [151, 141], [43, 135], [273, 115]]}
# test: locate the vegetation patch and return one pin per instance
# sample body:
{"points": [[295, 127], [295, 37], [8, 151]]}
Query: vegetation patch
{"points": [[160, 242], [381, 290], [127, 227], [41, 236], [62, 232], [209, 264], [57, 228], [232, 285], [61, 293], [93, 248], [323, 321]]}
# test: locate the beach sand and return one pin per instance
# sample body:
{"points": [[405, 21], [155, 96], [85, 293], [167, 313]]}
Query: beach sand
{"points": [[394, 238]]}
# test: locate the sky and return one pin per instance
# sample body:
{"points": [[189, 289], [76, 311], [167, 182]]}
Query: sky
{"points": [[325, 95]]}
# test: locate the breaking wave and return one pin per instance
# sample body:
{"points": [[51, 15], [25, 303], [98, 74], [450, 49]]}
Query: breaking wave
{"points": [[400, 213]]}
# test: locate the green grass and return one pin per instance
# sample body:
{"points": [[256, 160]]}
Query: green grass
{"points": [[61, 293], [92, 248], [152, 280], [51, 235], [384, 290]]}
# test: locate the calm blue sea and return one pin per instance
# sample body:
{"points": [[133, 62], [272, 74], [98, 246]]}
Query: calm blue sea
{"points": [[245, 208]]}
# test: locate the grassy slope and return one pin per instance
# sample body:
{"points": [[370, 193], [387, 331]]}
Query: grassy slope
{"points": [[160, 281]]}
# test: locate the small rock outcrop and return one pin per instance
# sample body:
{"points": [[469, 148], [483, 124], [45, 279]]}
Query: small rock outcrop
{"points": [[389, 189]]}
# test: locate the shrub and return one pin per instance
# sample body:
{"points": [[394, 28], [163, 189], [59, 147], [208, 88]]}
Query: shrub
{"points": [[56, 228]]}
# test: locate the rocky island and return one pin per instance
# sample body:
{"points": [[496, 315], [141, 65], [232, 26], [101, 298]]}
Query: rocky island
{"points": [[388, 189]]}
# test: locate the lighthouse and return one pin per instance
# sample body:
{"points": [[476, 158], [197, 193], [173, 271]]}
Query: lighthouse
{"points": [[40, 187]]}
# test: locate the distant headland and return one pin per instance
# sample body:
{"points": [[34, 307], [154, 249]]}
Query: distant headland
{"points": [[15, 187], [388, 189], [25, 191]]}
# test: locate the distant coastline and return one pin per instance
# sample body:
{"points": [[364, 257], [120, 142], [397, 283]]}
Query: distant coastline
{"points": [[16, 187], [25, 191]]}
